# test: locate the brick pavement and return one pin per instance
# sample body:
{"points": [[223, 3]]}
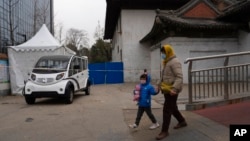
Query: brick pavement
{"points": [[237, 113], [199, 127]]}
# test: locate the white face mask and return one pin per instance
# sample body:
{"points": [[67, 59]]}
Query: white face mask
{"points": [[163, 56]]}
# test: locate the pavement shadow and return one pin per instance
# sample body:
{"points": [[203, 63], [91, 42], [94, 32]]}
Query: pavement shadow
{"points": [[57, 101]]}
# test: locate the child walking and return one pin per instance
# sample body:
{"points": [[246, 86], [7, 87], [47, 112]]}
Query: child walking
{"points": [[144, 102]]}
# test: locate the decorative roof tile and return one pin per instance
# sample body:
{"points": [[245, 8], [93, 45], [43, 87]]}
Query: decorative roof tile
{"points": [[175, 23]]}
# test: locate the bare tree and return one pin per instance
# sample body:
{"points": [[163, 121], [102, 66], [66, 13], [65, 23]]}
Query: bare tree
{"points": [[12, 23], [43, 12], [35, 16], [99, 32], [40, 14], [59, 32], [77, 38]]}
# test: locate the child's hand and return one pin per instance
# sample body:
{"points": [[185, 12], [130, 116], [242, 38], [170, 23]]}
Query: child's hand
{"points": [[157, 89]]}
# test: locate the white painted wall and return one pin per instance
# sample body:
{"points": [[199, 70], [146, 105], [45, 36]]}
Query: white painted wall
{"points": [[244, 45], [135, 24], [156, 64], [244, 41], [116, 44], [196, 47]]}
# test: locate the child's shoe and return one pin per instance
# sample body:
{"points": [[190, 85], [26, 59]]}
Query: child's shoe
{"points": [[133, 126], [155, 125]]}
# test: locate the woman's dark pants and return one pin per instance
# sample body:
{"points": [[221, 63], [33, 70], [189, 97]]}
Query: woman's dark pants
{"points": [[170, 108]]}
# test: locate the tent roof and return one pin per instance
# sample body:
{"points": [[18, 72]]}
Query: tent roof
{"points": [[43, 40]]}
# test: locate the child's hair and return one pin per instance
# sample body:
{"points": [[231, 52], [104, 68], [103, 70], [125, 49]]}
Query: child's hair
{"points": [[143, 76]]}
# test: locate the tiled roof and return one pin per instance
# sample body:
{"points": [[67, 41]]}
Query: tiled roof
{"points": [[239, 11], [170, 26], [171, 20], [192, 3], [172, 23]]}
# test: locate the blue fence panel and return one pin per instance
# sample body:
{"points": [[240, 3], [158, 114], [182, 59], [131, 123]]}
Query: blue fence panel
{"points": [[106, 73], [97, 73], [114, 72]]}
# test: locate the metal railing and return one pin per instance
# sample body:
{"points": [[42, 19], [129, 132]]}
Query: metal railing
{"points": [[222, 81]]}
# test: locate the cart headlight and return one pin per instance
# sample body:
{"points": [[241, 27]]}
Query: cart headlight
{"points": [[33, 77], [59, 76]]}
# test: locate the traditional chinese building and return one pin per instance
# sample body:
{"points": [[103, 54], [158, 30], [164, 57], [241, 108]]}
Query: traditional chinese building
{"points": [[194, 28]]}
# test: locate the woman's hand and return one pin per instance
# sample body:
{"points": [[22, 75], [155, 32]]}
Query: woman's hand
{"points": [[173, 92]]}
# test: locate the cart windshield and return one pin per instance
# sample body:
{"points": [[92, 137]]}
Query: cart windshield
{"points": [[52, 64]]}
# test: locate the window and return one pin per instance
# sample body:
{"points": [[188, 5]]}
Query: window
{"points": [[74, 66]]}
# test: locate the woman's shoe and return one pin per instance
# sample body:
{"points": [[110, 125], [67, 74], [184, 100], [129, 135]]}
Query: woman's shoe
{"points": [[162, 135], [180, 125]]}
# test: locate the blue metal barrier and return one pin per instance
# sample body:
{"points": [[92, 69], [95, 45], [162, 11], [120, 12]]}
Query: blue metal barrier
{"points": [[106, 73]]}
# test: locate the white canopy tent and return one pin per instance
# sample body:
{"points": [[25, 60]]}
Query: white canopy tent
{"points": [[22, 58]]}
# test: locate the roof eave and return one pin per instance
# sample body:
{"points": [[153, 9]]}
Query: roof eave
{"points": [[163, 25], [240, 9]]}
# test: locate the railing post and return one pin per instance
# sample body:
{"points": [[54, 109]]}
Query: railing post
{"points": [[225, 70], [226, 94], [190, 95]]}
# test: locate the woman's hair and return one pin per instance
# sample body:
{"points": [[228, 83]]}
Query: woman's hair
{"points": [[163, 50]]}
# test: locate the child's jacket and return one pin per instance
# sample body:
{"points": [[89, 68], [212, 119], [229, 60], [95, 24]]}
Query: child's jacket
{"points": [[145, 94]]}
